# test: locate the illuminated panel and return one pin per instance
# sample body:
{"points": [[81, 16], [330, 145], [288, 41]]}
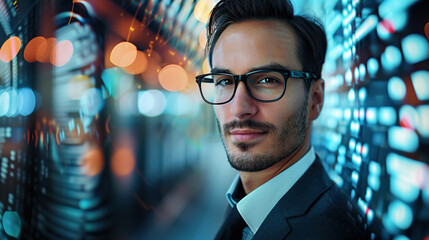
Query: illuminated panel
{"points": [[416, 48], [421, 84], [403, 139], [377, 69]]}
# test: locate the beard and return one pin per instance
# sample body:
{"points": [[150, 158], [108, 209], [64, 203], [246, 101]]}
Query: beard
{"points": [[286, 141]]}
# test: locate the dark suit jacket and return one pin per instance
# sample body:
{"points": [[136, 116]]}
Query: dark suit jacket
{"points": [[314, 208]]}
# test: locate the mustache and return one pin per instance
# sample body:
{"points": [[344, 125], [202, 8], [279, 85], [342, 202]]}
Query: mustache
{"points": [[251, 124]]}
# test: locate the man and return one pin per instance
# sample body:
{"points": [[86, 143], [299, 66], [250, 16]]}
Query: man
{"points": [[266, 89]]}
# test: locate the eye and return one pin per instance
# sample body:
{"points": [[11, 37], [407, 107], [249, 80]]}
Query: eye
{"points": [[268, 80], [224, 82]]}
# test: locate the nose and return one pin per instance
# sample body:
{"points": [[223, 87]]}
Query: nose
{"points": [[242, 105]]}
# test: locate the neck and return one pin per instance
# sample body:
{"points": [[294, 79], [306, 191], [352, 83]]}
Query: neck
{"points": [[252, 180]]}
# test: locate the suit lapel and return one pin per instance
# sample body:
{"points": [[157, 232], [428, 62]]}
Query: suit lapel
{"points": [[295, 202]]}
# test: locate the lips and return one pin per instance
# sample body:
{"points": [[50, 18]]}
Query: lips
{"points": [[246, 134]]}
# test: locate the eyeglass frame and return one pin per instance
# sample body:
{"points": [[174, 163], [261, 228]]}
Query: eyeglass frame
{"points": [[243, 78]]}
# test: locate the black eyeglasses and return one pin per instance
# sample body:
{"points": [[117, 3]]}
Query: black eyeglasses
{"points": [[267, 85]]}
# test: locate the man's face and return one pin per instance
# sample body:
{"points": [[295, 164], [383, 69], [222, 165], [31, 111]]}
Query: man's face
{"points": [[257, 135]]}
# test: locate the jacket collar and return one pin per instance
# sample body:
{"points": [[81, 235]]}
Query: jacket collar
{"points": [[295, 202]]}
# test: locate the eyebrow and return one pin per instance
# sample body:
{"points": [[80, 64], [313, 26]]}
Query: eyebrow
{"points": [[272, 66]]}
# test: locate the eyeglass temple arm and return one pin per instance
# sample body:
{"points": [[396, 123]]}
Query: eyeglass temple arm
{"points": [[303, 75], [205, 80]]}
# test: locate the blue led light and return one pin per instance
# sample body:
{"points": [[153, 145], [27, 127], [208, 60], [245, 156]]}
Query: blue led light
{"points": [[406, 169], [335, 140], [358, 147], [391, 58], [387, 116], [338, 180], [151, 103], [374, 182], [338, 168], [356, 114], [342, 150], [374, 168], [12, 223], [4, 102], [362, 205], [117, 81], [373, 66], [408, 116], [403, 190], [368, 195], [400, 214], [403, 139], [349, 76], [351, 95], [396, 89], [401, 237], [357, 160], [393, 6], [352, 194], [355, 177], [361, 115], [382, 32], [420, 81], [415, 48], [347, 114], [370, 216], [362, 71], [366, 27], [28, 101], [365, 150], [362, 94], [398, 19], [13, 104], [352, 144], [371, 115]]}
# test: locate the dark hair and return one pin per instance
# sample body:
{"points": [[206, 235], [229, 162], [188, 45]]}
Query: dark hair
{"points": [[310, 33]]}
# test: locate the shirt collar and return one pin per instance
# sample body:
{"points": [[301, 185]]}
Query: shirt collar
{"points": [[256, 206]]}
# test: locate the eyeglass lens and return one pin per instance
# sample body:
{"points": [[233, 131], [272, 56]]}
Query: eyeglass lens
{"points": [[264, 86]]}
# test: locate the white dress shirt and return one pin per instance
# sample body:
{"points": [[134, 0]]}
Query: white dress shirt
{"points": [[256, 206]]}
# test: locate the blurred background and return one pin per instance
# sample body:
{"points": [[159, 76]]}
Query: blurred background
{"points": [[103, 134]]}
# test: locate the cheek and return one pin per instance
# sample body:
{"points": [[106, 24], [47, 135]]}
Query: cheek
{"points": [[220, 112]]}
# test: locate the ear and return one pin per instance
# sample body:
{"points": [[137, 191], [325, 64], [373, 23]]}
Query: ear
{"points": [[317, 95]]}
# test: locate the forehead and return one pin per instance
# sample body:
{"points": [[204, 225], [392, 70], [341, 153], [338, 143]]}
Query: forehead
{"points": [[249, 44]]}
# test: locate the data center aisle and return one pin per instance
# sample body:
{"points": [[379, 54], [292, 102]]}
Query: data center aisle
{"points": [[203, 211]]}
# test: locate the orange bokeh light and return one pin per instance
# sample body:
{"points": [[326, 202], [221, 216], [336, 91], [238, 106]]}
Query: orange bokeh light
{"points": [[30, 52], [202, 10], [62, 53], [173, 77], [93, 162], [123, 54], [10, 49], [427, 30], [122, 162], [139, 65], [45, 50], [206, 66], [203, 38]]}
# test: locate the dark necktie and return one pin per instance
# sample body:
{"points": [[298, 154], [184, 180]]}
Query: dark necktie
{"points": [[232, 228]]}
